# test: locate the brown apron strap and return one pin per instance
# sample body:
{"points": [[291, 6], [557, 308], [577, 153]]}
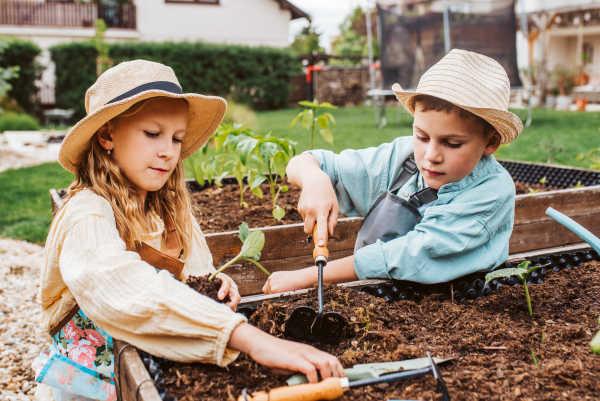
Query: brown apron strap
{"points": [[168, 260], [65, 321]]}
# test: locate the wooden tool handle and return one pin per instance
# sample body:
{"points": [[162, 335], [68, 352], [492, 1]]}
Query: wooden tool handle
{"points": [[328, 389], [320, 250]]}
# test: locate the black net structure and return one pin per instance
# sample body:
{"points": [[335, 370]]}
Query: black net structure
{"points": [[410, 45]]}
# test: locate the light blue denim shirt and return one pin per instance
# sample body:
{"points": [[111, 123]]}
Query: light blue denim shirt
{"points": [[466, 231]]}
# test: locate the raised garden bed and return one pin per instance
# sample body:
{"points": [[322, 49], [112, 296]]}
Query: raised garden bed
{"points": [[286, 247], [486, 328]]}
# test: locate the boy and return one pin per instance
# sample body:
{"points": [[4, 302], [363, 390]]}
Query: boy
{"points": [[437, 205]]}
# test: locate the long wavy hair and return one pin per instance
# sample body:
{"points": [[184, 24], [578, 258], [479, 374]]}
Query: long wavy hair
{"points": [[100, 173]]}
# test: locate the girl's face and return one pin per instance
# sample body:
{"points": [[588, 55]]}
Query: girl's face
{"points": [[147, 145]]}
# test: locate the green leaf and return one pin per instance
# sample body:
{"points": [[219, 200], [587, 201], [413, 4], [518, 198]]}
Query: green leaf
{"points": [[284, 188], [524, 265], [238, 172], [257, 180], [267, 150], [315, 102], [244, 231], [256, 191], [517, 271], [327, 135], [278, 213], [254, 244], [280, 162], [296, 119], [331, 118], [326, 105], [323, 122], [219, 141], [307, 118], [595, 344], [244, 147], [306, 103], [257, 256]]}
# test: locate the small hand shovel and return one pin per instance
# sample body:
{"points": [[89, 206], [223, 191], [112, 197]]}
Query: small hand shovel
{"points": [[334, 387], [306, 324]]}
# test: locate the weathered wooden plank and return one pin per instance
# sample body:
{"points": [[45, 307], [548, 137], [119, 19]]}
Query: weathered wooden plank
{"points": [[283, 241], [250, 279], [545, 234], [131, 374], [573, 202]]}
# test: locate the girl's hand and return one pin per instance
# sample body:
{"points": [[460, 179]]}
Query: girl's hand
{"points": [[283, 355], [225, 289], [289, 281]]}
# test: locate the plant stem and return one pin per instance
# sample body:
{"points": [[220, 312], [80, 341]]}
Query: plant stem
{"points": [[225, 266], [527, 296], [534, 359], [259, 265]]}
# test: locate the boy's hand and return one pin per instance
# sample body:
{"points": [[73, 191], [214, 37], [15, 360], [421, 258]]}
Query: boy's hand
{"points": [[288, 281], [225, 289], [318, 205]]}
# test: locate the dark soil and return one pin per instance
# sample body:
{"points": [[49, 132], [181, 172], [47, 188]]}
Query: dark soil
{"points": [[523, 188], [566, 308], [219, 211], [208, 288]]}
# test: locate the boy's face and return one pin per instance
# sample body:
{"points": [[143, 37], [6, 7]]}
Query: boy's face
{"points": [[447, 148]]}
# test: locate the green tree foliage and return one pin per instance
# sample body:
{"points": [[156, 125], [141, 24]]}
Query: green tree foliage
{"points": [[352, 40], [257, 76], [307, 41], [21, 54]]}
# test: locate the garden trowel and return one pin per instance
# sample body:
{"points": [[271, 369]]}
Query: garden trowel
{"points": [[334, 387], [374, 370], [306, 324]]}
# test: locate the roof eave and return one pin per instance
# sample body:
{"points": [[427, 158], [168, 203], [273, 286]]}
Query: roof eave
{"points": [[296, 12]]}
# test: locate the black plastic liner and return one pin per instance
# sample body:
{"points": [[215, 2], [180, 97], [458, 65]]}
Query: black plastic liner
{"points": [[466, 288], [555, 176]]}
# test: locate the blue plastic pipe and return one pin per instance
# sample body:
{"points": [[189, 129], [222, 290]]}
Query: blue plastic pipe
{"points": [[575, 227]]}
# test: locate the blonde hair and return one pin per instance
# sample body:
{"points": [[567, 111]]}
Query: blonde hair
{"points": [[99, 172]]}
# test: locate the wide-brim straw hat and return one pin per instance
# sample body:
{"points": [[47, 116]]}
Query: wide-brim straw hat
{"points": [[473, 82], [128, 83]]}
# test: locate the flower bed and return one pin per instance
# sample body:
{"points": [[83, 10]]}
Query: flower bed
{"points": [[492, 338]]}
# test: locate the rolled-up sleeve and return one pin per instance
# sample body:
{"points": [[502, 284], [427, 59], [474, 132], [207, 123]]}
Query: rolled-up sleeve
{"points": [[133, 302], [359, 176]]}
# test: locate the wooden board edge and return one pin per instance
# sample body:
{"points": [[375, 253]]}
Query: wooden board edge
{"points": [[255, 299], [131, 374]]}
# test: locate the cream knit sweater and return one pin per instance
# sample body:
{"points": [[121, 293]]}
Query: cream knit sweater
{"points": [[85, 262]]}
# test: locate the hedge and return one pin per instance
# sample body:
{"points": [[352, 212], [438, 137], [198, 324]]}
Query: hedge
{"points": [[18, 122], [257, 76], [22, 53]]}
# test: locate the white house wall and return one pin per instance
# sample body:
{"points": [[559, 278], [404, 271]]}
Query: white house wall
{"points": [[250, 22]]}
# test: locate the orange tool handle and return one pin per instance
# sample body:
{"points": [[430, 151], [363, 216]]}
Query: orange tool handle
{"points": [[320, 250], [328, 389]]}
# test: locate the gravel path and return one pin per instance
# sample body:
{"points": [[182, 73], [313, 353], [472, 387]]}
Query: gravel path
{"points": [[21, 339]]}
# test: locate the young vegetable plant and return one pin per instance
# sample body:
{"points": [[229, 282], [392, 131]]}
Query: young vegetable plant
{"points": [[520, 271], [276, 153], [253, 245], [595, 343], [310, 120]]}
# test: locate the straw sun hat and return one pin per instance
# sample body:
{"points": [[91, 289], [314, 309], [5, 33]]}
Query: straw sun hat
{"points": [[128, 83], [473, 82]]}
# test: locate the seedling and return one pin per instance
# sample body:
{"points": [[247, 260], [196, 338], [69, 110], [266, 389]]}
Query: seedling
{"points": [[253, 245], [520, 271], [310, 120], [276, 153], [595, 343], [534, 360]]}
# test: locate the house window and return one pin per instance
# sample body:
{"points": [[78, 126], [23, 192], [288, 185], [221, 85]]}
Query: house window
{"points": [[193, 1]]}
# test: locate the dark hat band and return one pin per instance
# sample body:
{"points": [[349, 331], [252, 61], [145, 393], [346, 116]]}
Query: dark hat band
{"points": [[157, 85]]}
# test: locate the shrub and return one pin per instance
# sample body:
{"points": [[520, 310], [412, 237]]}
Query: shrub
{"points": [[22, 53], [240, 114], [18, 122], [256, 76]]}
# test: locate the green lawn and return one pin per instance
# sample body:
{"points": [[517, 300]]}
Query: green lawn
{"points": [[25, 208]]}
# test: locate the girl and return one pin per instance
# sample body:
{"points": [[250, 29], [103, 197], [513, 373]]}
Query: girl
{"points": [[126, 231]]}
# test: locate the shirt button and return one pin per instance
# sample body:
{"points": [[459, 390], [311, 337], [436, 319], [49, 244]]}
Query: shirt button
{"points": [[405, 193], [419, 185]]}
